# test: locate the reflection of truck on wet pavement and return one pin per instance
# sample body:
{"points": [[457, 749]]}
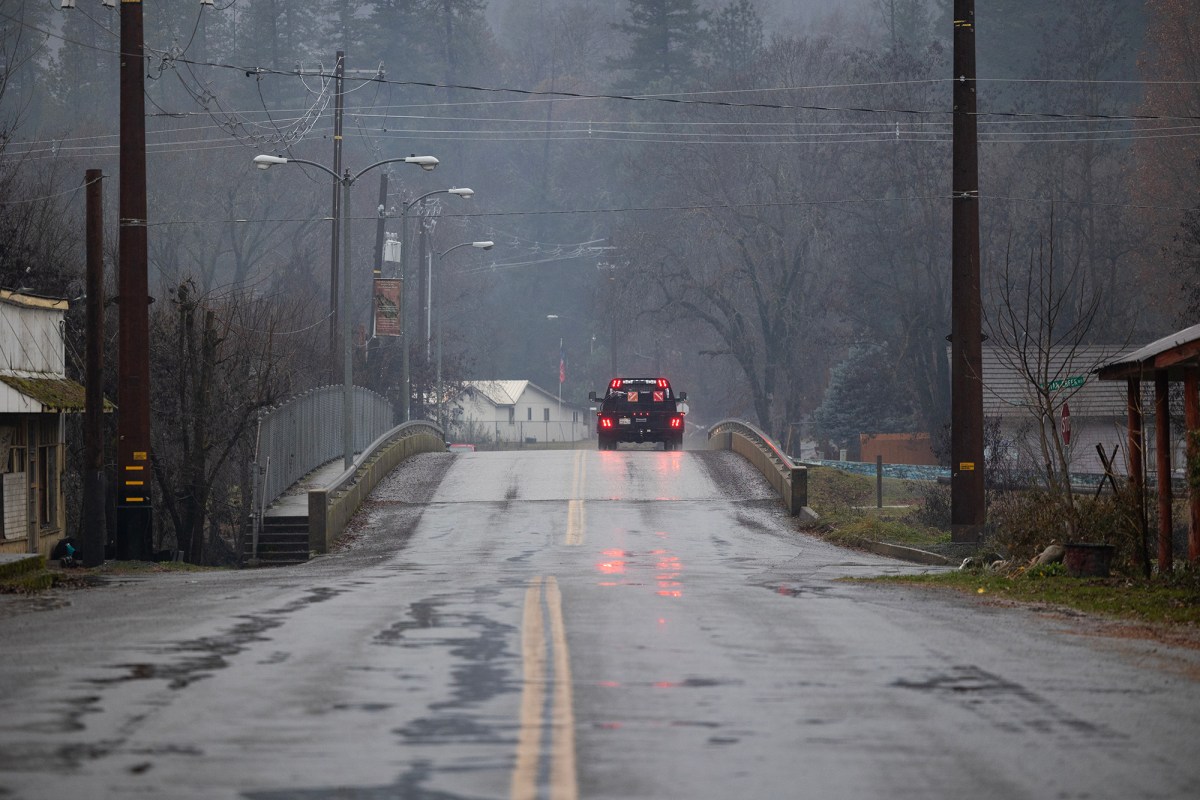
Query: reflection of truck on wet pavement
{"points": [[640, 410]]}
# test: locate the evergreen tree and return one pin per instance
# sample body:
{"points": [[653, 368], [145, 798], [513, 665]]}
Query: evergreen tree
{"points": [[664, 39], [863, 398], [735, 38]]}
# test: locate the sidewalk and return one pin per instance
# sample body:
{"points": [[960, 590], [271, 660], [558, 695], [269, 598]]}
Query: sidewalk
{"points": [[294, 502]]}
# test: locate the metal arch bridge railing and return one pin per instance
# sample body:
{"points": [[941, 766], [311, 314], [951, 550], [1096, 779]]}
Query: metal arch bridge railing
{"points": [[304, 432]]}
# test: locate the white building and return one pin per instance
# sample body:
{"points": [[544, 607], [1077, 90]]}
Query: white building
{"points": [[1097, 408], [517, 411], [34, 393]]}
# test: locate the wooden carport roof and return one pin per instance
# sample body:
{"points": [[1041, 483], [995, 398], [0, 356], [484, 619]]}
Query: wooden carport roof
{"points": [[1175, 354], [1172, 358]]}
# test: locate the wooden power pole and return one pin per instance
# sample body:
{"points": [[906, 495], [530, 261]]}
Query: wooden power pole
{"points": [[966, 337], [93, 535], [135, 511]]}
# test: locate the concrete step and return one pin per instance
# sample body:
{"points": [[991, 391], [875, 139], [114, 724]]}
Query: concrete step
{"points": [[281, 540]]}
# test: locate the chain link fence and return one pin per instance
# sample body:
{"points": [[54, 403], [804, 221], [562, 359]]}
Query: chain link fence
{"points": [[306, 431]]}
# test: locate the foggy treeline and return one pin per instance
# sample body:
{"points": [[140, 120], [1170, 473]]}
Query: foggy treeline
{"points": [[752, 198]]}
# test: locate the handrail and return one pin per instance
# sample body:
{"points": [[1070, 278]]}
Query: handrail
{"points": [[304, 432]]}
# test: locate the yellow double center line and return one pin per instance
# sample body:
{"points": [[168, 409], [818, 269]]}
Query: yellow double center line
{"points": [[539, 722], [576, 515]]}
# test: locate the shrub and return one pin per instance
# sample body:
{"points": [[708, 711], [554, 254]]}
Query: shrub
{"points": [[833, 492], [933, 511], [1024, 522]]}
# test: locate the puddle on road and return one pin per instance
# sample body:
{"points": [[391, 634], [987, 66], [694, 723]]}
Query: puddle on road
{"points": [[1006, 705], [214, 651], [203, 656], [796, 591]]}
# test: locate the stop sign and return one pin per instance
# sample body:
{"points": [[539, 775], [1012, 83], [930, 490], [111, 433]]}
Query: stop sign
{"points": [[1066, 423]]}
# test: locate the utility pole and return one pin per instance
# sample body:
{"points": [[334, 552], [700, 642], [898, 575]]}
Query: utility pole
{"points": [[374, 376], [134, 506], [339, 72], [966, 337], [381, 224], [423, 281], [94, 528]]}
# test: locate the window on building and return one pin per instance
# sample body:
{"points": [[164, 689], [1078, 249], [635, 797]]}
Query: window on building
{"points": [[512, 415], [48, 485], [529, 413], [546, 415]]}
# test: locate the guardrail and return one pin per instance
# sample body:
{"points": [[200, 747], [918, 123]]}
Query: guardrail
{"points": [[747, 440], [330, 508]]}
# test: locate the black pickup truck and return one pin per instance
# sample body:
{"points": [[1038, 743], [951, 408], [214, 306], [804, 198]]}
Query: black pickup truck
{"points": [[640, 410]]}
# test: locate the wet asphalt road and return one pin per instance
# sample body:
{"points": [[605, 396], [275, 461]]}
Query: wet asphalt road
{"points": [[627, 624]]}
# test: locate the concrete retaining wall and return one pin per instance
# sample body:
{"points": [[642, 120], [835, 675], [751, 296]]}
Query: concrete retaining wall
{"points": [[330, 509], [788, 479]]}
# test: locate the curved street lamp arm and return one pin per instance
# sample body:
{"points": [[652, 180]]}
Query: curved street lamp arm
{"points": [[326, 169], [366, 169], [448, 249], [416, 200]]}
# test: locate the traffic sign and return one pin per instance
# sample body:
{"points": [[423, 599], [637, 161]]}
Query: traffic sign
{"points": [[1073, 382]]}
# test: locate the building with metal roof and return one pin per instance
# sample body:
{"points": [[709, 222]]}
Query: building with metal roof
{"points": [[517, 411], [34, 394]]}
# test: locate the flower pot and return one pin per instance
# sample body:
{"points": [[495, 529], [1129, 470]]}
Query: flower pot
{"points": [[1088, 560]]}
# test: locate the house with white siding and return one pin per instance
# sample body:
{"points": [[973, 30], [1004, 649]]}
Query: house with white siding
{"points": [[1097, 409], [34, 395], [517, 411]]}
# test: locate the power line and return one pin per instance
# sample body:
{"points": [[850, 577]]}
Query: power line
{"points": [[689, 98], [698, 207]]}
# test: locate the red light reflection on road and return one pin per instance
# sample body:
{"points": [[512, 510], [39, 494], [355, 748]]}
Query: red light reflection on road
{"points": [[669, 569], [614, 563]]}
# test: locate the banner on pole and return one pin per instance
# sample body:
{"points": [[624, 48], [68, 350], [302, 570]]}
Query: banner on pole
{"points": [[388, 295]]}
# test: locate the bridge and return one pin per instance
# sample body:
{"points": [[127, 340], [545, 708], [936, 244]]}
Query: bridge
{"points": [[304, 495]]}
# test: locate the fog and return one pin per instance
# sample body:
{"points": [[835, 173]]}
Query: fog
{"points": [[785, 228]]}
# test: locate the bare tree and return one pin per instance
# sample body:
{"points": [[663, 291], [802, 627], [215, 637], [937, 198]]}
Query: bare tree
{"points": [[1044, 315], [220, 361]]}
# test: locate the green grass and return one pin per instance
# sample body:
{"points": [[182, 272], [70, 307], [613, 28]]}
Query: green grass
{"points": [[880, 528], [1174, 599], [847, 505]]}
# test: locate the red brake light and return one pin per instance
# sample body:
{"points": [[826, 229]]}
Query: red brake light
{"points": [[662, 383], [606, 422], [676, 422], [615, 383]]}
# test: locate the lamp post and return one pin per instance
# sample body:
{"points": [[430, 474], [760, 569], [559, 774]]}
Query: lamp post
{"points": [[484, 245], [405, 367], [346, 179]]}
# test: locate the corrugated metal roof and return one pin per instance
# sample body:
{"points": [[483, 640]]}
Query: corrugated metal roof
{"points": [[1007, 393], [1141, 356], [508, 393], [501, 393]]}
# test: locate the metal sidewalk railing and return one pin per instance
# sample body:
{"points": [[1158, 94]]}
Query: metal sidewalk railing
{"points": [[303, 433]]}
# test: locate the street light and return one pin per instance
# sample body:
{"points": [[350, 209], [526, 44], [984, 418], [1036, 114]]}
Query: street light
{"points": [[405, 368], [483, 245], [347, 180]]}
